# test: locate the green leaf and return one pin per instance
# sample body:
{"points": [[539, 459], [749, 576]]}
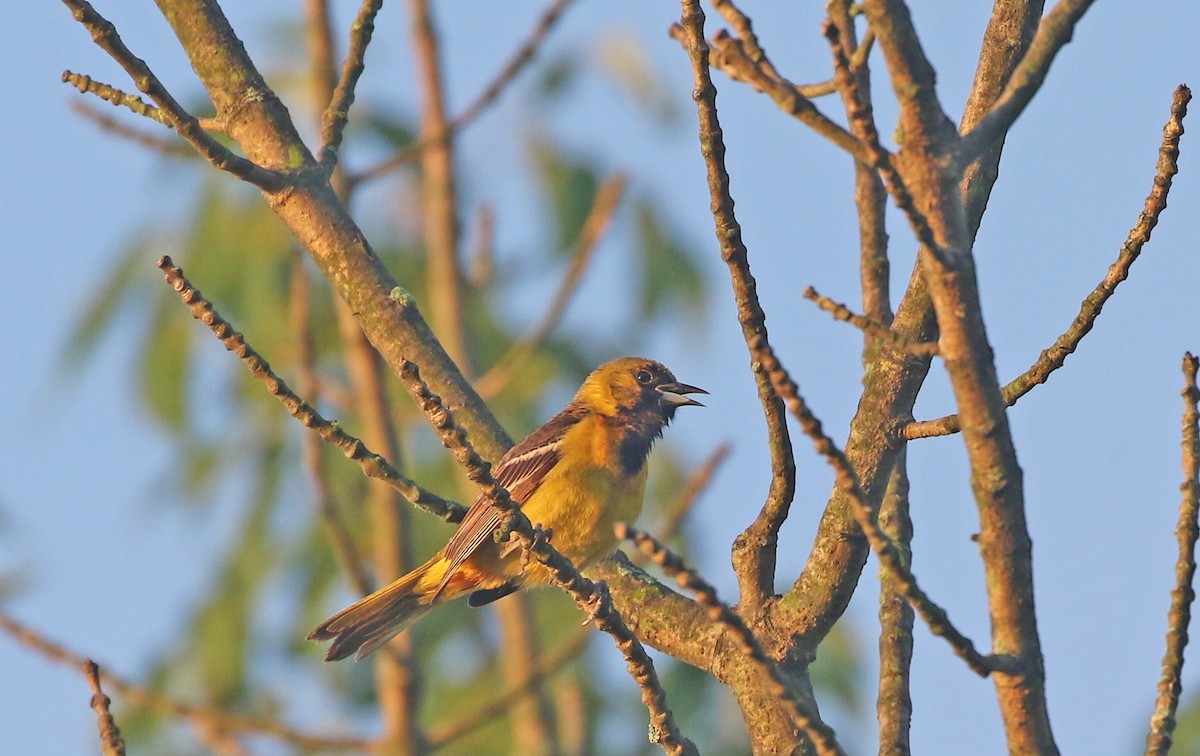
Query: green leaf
{"points": [[570, 187], [165, 372], [669, 276]]}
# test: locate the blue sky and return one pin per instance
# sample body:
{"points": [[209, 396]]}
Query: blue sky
{"points": [[110, 573]]}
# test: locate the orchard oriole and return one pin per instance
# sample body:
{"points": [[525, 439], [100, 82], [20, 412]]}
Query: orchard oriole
{"points": [[577, 476]]}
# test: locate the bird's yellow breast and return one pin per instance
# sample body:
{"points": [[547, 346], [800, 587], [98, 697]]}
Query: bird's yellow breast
{"points": [[587, 493]]}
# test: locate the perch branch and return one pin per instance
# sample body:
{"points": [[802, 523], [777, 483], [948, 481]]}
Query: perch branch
{"points": [[1054, 31], [592, 597], [821, 734]]}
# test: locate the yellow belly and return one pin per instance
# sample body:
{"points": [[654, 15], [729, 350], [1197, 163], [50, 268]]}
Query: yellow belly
{"points": [[579, 501]]}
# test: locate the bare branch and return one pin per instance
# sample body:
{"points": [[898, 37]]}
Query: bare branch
{"points": [[754, 551], [730, 57], [862, 125], [373, 465], [87, 85], [1162, 721], [111, 742], [889, 556], [893, 703]]}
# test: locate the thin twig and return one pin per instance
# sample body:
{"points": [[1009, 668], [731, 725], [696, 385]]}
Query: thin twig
{"points": [[592, 597], [200, 716], [730, 57], [870, 195], [87, 85], [755, 549], [821, 734], [1162, 721], [871, 327], [373, 465], [118, 98], [1054, 31], [333, 122], [524, 54], [862, 120], [607, 198], [111, 742], [1053, 357], [104, 34], [889, 556]]}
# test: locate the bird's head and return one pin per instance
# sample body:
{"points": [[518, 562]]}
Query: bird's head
{"points": [[636, 386]]}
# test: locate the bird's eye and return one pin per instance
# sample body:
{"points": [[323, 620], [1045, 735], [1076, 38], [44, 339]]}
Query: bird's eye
{"points": [[643, 376]]}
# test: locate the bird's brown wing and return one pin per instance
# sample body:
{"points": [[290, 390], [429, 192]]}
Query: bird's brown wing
{"points": [[521, 472]]}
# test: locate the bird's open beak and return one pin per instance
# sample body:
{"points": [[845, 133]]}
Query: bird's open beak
{"points": [[674, 394]]}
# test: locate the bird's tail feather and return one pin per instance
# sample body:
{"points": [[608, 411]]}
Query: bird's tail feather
{"points": [[371, 622]]}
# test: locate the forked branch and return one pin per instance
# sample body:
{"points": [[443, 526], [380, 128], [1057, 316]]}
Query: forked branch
{"points": [[1054, 356]]}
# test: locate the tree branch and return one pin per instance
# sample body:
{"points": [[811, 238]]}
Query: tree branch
{"points": [[872, 328], [1162, 721], [889, 556], [111, 742], [256, 119]]}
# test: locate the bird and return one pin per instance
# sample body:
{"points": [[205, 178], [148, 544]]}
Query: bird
{"points": [[576, 477]]}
